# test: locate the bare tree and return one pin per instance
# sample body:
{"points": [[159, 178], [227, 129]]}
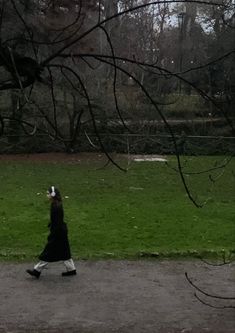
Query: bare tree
{"points": [[60, 46]]}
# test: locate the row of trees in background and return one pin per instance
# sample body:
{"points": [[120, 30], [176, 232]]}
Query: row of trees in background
{"points": [[72, 67]]}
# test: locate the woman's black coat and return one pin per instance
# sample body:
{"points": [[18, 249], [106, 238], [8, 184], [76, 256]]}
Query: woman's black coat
{"points": [[57, 247]]}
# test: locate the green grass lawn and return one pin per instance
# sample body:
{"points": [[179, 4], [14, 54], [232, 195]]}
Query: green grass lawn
{"points": [[112, 214]]}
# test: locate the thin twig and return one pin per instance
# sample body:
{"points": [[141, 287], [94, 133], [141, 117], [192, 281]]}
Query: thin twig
{"points": [[206, 293], [214, 306], [91, 112], [115, 79], [53, 101], [167, 126], [130, 10]]}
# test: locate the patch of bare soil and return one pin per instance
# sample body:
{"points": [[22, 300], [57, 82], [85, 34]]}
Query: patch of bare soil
{"points": [[78, 157], [54, 157]]}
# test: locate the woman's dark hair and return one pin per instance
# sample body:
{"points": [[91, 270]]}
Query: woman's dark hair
{"points": [[55, 193]]}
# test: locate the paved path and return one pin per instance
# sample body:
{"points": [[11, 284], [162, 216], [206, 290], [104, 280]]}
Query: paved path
{"points": [[115, 296]]}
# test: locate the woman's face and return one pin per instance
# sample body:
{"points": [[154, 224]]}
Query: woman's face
{"points": [[49, 195]]}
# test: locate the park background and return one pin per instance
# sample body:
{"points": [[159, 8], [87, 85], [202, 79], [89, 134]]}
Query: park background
{"points": [[118, 79]]}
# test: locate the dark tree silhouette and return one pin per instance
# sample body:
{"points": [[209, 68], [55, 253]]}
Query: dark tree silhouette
{"points": [[65, 36]]}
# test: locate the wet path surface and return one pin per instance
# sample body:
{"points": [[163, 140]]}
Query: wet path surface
{"points": [[116, 296]]}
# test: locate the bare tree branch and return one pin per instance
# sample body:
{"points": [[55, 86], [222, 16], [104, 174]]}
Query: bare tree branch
{"points": [[91, 112], [168, 72], [214, 306], [115, 79], [206, 293], [57, 53], [167, 126]]}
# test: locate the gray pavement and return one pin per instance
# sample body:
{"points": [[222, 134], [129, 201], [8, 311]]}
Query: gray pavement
{"points": [[144, 296]]}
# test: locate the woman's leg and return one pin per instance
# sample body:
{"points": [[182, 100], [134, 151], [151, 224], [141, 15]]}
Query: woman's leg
{"points": [[36, 271], [40, 266], [70, 267]]}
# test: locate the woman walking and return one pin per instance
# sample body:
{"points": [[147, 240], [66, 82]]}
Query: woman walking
{"points": [[57, 247]]}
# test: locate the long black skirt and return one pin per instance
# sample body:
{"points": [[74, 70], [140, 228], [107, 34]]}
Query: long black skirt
{"points": [[57, 247]]}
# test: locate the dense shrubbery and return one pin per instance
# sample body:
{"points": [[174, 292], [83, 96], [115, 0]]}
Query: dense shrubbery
{"points": [[186, 114]]}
